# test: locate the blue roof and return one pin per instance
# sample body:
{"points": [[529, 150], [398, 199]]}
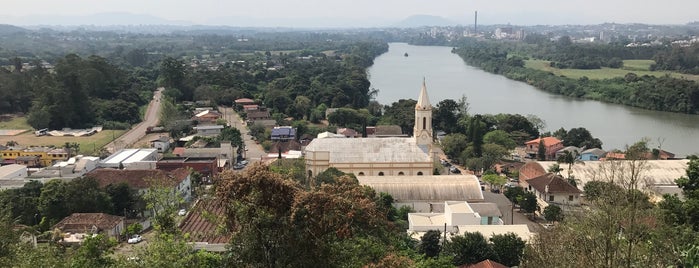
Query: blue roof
{"points": [[279, 133]]}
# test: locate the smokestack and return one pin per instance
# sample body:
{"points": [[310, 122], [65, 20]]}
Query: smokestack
{"points": [[475, 25]]}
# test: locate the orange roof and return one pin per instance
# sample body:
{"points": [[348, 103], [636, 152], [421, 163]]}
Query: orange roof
{"points": [[548, 141], [612, 155], [484, 264]]}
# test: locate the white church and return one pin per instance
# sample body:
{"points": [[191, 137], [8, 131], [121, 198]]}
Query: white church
{"points": [[378, 156]]}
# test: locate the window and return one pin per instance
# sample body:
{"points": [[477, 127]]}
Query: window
{"points": [[401, 173], [570, 198], [361, 174], [381, 173], [550, 198], [424, 122], [419, 173], [310, 173]]}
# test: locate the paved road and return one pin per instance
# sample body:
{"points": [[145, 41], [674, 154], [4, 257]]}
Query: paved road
{"points": [[505, 207], [254, 151], [137, 132]]}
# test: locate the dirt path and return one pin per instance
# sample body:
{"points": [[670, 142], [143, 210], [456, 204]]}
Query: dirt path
{"points": [[151, 118]]}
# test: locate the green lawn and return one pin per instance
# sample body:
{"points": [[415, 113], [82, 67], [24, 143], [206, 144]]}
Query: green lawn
{"points": [[15, 123], [606, 73]]}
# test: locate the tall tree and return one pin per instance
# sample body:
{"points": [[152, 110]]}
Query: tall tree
{"points": [[507, 248], [469, 248], [429, 243]]}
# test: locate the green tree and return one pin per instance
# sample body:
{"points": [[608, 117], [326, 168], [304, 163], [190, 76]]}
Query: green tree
{"points": [[94, 252], [492, 153], [507, 248], [501, 138], [52, 203], [528, 202], [469, 248], [541, 151], [454, 144], [494, 180], [430, 243], [553, 213], [401, 113]]}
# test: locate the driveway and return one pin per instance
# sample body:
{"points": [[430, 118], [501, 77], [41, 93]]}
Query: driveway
{"points": [[137, 132], [254, 151]]}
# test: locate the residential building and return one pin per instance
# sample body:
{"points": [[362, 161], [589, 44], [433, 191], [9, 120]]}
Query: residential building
{"points": [[131, 159], [656, 176], [208, 130], [260, 114], [225, 154], [78, 226], [575, 151], [207, 166], [285, 133], [207, 117], [29, 160], [143, 179], [551, 146], [378, 156], [201, 224], [162, 144], [553, 189], [348, 133], [592, 154]]}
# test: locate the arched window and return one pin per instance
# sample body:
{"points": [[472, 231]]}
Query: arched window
{"points": [[401, 173], [361, 174], [310, 173], [424, 122], [419, 173], [381, 173]]}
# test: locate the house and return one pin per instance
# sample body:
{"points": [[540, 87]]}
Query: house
{"points": [[614, 156], [207, 117], [484, 264], [458, 218], [162, 144], [244, 101], [131, 159], [571, 149], [224, 154], [77, 226], [143, 179], [553, 189], [426, 193], [260, 114], [656, 176], [250, 107], [208, 130], [28, 160], [348, 132], [551, 145], [283, 133], [207, 166], [592, 154], [202, 225], [663, 155]]}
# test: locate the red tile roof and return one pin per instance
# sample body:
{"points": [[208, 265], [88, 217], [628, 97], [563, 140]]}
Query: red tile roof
{"points": [[82, 222], [204, 222], [548, 141], [484, 264], [555, 183], [138, 179], [178, 151]]}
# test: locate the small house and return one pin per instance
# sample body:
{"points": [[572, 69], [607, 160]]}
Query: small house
{"points": [[208, 130], [162, 144]]}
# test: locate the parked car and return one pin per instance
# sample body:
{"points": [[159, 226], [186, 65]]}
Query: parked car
{"points": [[454, 170], [238, 166], [182, 212], [244, 162], [135, 239]]}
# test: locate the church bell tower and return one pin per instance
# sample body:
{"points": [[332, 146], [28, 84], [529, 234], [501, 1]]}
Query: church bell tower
{"points": [[422, 131]]}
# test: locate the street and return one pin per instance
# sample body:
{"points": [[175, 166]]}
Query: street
{"points": [[137, 132], [254, 151]]}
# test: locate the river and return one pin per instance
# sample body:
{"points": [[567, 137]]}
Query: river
{"points": [[448, 77]]}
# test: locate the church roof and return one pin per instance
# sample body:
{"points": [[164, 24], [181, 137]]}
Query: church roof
{"points": [[427, 188], [370, 150], [423, 102]]}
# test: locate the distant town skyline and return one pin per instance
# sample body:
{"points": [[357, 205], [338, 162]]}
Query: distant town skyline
{"points": [[345, 13]]}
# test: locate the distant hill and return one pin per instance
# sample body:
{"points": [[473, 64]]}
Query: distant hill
{"points": [[6, 29], [425, 20]]}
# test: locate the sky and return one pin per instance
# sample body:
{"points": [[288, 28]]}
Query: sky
{"points": [[217, 12]]}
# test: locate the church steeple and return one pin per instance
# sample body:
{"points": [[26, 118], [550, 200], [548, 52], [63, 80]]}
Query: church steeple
{"points": [[422, 131], [423, 102]]}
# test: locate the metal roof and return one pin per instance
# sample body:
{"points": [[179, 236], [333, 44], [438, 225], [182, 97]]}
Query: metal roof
{"points": [[370, 150], [426, 188], [653, 172]]}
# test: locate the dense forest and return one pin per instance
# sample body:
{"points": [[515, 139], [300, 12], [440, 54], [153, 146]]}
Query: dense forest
{"points": [[656, 93]]}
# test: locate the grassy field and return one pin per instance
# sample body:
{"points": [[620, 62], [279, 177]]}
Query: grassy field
{"points": [[88, 145], [639, 67]]}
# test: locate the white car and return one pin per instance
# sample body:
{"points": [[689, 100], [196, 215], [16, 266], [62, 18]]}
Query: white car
{"points": [[135, 239], [182, 212]]}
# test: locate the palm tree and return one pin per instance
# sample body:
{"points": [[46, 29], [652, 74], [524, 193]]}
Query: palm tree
{"points": [[570, 158]]}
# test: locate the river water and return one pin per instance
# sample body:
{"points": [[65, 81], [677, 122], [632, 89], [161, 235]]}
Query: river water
{"points": [[448, 77]]}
